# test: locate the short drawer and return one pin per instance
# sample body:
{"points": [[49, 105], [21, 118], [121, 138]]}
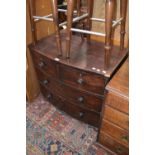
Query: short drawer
{"points": [[112, 144], [114, 131], [45, 64], [117, 101], [116, 117], [82, 114], [82, 80]]}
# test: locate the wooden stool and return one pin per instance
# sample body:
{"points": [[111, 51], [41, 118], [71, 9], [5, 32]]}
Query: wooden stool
{"points": [[110, 24], [54, 19]]}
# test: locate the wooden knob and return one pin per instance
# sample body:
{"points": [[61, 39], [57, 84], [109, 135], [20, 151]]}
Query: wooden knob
{"points": [[80, 81], [80, 99], [81, 114], [45, 82], [126, 138], [49, 96], [41, 64], [119, 149]]}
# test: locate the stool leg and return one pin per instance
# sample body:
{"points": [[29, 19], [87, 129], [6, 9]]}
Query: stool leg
{"points": [[109, 12], [78, 7], [70, 8], [32, 12], [123, 9], [90, 5], [56, 25]]}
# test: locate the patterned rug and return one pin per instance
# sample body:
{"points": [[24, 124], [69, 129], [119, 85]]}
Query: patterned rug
{"points": [[52, 132]]}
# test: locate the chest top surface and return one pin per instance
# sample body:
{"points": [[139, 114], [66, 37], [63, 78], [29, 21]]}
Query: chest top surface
{"points": [[85, 55], [120, 82]]}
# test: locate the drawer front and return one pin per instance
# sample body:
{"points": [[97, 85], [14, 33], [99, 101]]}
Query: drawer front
{"points": [[47, 94], [112, 144], [114, 131], [45, 64], [82, 80], [81, 98], [116, 117], [71, 94], [118, 102], [82, 114], [44, 79], [53, 98]]}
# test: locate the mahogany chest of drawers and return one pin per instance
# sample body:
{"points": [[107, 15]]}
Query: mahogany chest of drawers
{"points": [[75, 86], [115, 121]]}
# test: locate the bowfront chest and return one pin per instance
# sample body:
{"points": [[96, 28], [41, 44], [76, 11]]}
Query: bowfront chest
{"points": [[76, 85]]}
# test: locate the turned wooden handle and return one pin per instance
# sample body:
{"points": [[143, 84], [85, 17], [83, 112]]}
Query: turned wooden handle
{"points": [[119, 149], [49, 96], [80, 99], [80, 81], [45, 82], [41, 64], [81, 114], [126, 138]]}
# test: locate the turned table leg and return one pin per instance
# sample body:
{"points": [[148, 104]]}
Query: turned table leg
{"points": [[109, 12], [123, 9], [70, 9], [56, 25], [32, 12]]}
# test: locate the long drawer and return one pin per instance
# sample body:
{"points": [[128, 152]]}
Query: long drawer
{"points": [[82, 80], [80, 113], [45, 64], [116, 117], [114, 131], [112, 144], [81, 98], [73, 95]]}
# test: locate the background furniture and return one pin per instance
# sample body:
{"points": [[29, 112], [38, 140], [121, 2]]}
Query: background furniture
{"points": [[34, 19], [32, 86], [110, 24], [115, 120]]}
